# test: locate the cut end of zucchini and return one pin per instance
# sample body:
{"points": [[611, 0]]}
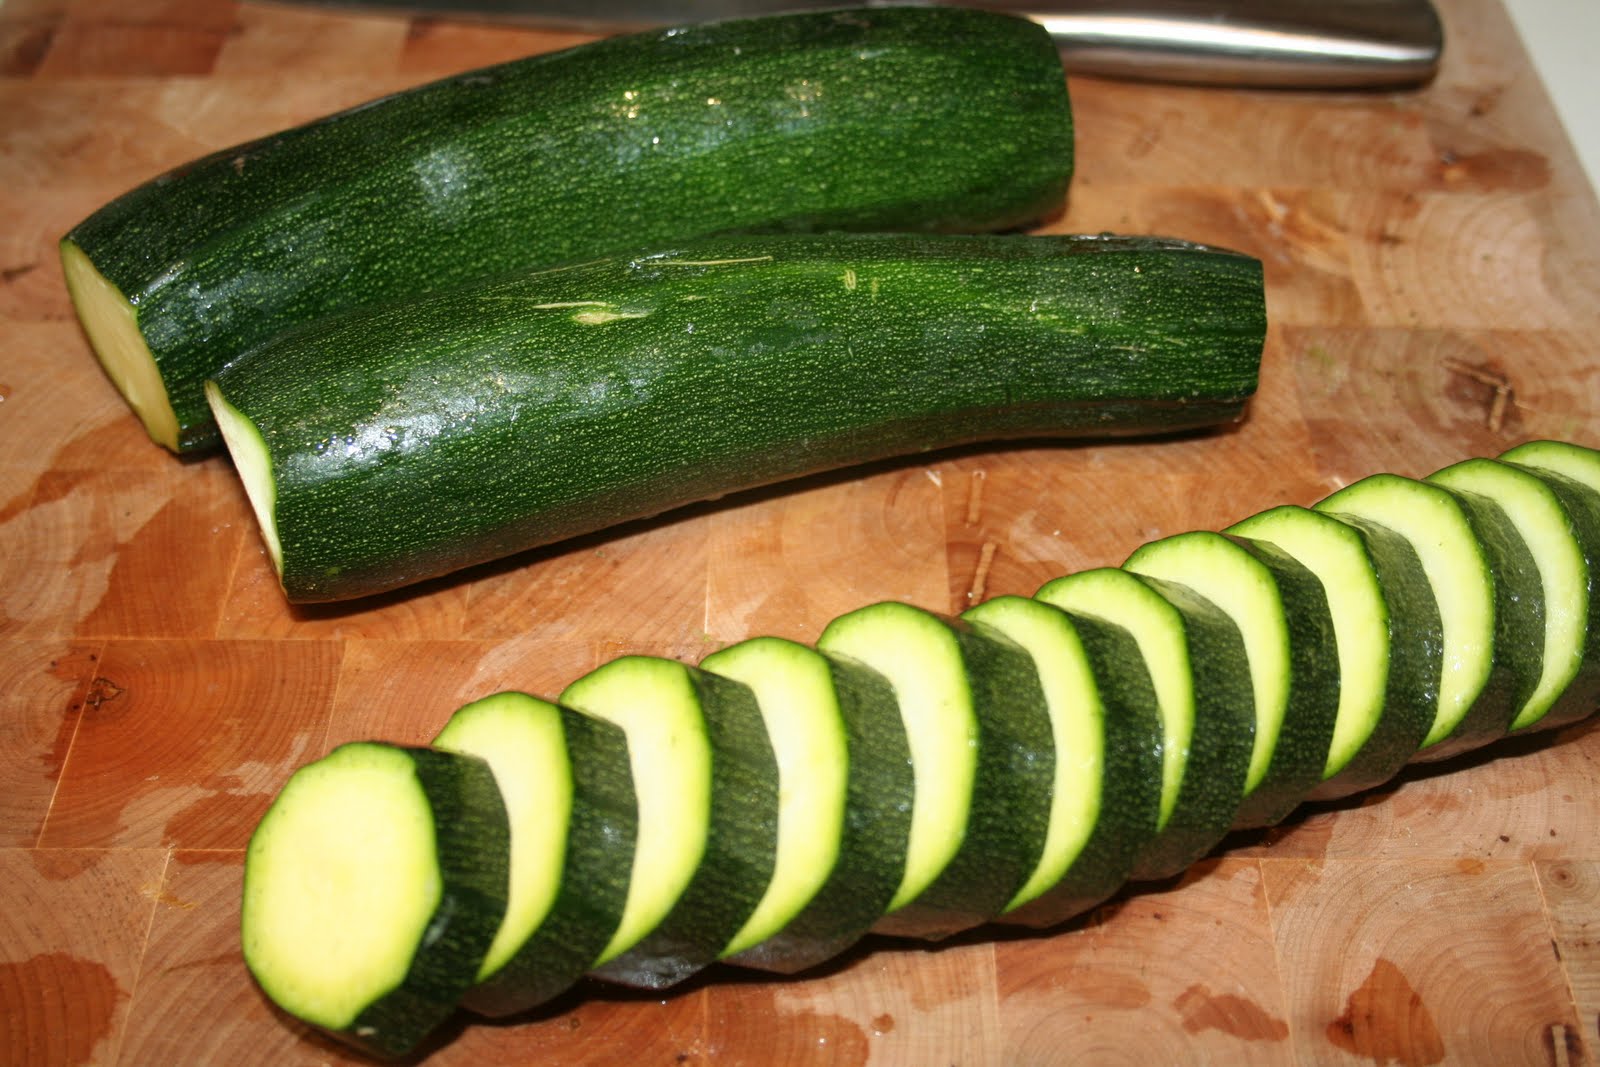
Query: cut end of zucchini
{"points": [[324, 930], [254, 464], [113, 328]]}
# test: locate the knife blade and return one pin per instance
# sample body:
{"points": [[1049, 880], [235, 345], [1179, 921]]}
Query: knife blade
{"points": [[1287, 44]]}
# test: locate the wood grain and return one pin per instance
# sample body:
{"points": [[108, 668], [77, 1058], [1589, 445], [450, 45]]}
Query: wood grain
{"points": [[1432, 260]]}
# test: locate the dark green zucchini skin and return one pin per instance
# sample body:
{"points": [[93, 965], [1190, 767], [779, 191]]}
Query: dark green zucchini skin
{"points": [[883, 119], [412, 440]]}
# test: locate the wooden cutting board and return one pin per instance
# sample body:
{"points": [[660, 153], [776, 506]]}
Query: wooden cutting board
{"points": [[1432, 272]]}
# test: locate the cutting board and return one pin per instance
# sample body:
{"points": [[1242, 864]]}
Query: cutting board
{"points": [[1432, 277]]}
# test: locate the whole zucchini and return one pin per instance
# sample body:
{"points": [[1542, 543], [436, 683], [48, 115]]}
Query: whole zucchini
{"points": [[882, 118], [407, 441]]}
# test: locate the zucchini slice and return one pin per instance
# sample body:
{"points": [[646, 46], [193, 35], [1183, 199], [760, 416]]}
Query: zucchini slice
{"points": [[1545, 528], [1572, 473], [707, 786], [1473, 695], [845, 791], [1380, 600], [1106, 798], [981, 751], [1283, 617], [373, 888], [1207, 707], [569, 796]]}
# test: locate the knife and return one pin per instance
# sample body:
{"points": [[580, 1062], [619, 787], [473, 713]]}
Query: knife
{"points": [[1293, 44]]}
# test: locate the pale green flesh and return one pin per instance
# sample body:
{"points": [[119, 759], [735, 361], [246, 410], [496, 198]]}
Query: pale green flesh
{"points": [[251, 460], [1117, 597], [1455, 566], [654, 703], [1243, 588], [1335, 553], [1077, 718], [113, 328], [522, 740], [342, 881], [1563, 574], [1573, 461], [918, 655], [793, 686]]}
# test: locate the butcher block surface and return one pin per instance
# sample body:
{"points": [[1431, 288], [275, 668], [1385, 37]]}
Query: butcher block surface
{"points": [[1432, 275]]}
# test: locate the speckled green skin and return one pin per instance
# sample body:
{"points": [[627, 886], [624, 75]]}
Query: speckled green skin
{"points": [[883, 119], [413, 440]]}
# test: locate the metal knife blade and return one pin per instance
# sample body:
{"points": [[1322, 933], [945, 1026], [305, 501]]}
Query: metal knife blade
{"points": [[1294, 44]]}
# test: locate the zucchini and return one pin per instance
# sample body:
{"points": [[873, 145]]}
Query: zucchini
{"points": [[1283, 616], [1382, 607], [845, 790], [982, 753], [870, 119], [568, 791], [1106, 794], [707, 787], [1556, 619], [1573, 474], [373, 888], [1190, 649], [498, 417], [1482, 670]]}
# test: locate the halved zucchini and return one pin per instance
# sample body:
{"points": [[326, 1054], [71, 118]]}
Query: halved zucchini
{"points": [[1108, 752], [1380, 599], [707, 786], [845, 791], [982, 753], [1207, 708], [1283, 617], [569, 795], [373, 888]]}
